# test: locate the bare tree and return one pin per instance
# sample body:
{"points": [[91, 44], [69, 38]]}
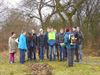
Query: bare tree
{"points": [[69, 9]]}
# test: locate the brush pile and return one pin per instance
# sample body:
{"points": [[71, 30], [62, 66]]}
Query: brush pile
{"points": [[41, 69]]}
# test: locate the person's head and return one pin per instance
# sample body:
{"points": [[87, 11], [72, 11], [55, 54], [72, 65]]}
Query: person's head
{"points": [[48, 29], [74, 29], [29, 34], [55, 30], [51, 29], [24, 32], [67, 29], [41, 31], [61, 30], [33, 31], [78, 29], [13, 34]]}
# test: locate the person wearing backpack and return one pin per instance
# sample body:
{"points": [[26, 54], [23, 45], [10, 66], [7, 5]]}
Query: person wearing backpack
{"points": [[69, 41], [22, 45], [80, 43], [41, 44], [52, 44], [61, 44], [12, 47]]}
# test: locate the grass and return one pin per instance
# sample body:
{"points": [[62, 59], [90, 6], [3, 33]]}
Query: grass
{"points": [[90, 66]]}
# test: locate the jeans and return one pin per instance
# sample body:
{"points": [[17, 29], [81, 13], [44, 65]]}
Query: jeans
{"points": [[57, 50], [34, 53], [65, 53], [22, 56], [42, 52], [70, 56], [80, 52], [62, 51], [52, 49], [30, 54], [47, 51]]}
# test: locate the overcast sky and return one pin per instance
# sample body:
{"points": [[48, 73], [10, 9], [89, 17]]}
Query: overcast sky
{"points": [[16, 3], [12, 3], [9, 4]]}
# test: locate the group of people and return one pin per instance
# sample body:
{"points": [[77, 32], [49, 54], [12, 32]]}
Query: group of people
{"points": [[66, 43]]}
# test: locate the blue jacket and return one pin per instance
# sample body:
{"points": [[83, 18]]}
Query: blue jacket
{"points": [[22, 44], [66, 40]]}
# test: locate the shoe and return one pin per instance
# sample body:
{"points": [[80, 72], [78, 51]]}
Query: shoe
{"points": [[11, 62], [60, 59], [80, 61], [70, 65], [76, 60]]}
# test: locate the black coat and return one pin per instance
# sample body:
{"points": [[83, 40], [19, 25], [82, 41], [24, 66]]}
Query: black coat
{"points": [[41, 40]]}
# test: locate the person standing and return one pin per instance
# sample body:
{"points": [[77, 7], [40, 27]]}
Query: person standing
{"points": [[80, 43], [57, 50], [22, 45], [61, 44], [47, 46], [52, 44], [29, 46], [69, 41], [41, 44], [12, 47], [74, 30], [34, 44]]}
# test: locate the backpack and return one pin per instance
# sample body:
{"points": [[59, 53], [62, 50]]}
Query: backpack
{"points": [[72, 39]]}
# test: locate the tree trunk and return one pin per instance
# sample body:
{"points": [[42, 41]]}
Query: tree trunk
{"points": [[70, 22]]}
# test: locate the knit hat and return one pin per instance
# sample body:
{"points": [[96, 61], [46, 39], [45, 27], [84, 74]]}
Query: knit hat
{"points": [[41, 29]]}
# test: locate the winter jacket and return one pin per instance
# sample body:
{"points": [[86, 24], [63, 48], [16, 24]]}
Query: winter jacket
{"points": [[67, 40], [29, 42], [12, 45], [22, 43], [81, 37], [61, 38], [41, 40], [34, 40]]}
